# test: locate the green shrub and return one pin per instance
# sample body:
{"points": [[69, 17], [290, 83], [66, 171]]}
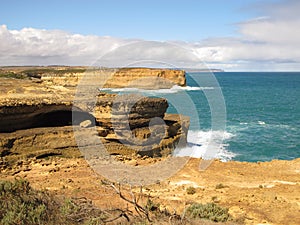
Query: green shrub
{"points": [[22, 205], [191, 190], [19, 204], [8, 74], [82, 211], [209, 211]]}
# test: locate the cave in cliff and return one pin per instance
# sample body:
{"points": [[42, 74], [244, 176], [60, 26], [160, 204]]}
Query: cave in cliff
{"points": [[61, 118], [47, 116]]}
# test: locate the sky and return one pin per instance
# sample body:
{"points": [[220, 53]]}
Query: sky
{"points": [[234, 35]]}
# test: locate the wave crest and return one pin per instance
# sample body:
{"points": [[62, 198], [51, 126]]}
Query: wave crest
{"points": [[172, 90], [199, 143]]}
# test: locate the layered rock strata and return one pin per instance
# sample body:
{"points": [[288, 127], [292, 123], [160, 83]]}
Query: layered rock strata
{"points": [[39, 120], [146, 78], [139, 124]]}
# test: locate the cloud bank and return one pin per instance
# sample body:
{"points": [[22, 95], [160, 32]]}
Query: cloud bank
{"points": [[269, 43]]}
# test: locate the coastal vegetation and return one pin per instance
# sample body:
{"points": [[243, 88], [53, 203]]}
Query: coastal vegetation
{"points": [[24, 205], [209, 211], [8, 74], [38, 72]]}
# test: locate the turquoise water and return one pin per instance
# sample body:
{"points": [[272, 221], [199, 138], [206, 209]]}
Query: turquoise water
{"points": [[263, 114], [238, 115]]}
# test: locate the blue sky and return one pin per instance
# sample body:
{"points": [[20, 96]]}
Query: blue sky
{"points": [[235, 35], [186, 20]]}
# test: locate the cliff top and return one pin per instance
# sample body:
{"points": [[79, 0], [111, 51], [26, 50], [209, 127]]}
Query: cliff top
{"points": [[147, 78], [28, 92]]}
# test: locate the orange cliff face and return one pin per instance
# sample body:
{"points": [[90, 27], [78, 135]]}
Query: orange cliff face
{"points": [[66, 76], [146, 78]]}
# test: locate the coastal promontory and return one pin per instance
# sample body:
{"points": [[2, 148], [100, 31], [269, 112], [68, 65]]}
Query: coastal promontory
{"points": [[38, 116]]}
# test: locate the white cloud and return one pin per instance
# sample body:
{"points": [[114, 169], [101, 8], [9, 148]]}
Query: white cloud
{"points": [[44, 47], [35, 46], [270, 42]]}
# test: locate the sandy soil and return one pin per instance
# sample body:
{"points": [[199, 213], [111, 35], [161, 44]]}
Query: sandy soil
{"points": [[255, 193]]}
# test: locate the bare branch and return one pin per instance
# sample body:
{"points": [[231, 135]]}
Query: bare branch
{"points": [[134, 200]]}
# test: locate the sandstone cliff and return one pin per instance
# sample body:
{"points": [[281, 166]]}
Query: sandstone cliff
{"points": [[146, 78], [38, 119]]}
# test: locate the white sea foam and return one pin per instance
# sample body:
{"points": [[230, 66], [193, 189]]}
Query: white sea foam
{"points": [[261, 122], [207, 145], [172, 90]]}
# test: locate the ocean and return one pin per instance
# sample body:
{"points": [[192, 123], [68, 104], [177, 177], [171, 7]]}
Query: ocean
{"points": [[241, 116]]}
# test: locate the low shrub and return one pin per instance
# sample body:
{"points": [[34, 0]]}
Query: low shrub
{"points": [[191, 190], [209, 211], [20, 204], [7, 74]]}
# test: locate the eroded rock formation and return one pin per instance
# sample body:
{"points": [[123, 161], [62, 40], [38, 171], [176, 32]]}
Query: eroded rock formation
{"points": [[139, 124], [37, 120]]}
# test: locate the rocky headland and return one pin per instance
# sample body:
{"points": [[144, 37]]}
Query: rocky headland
{"points": [[147, 78], [38, 117]]}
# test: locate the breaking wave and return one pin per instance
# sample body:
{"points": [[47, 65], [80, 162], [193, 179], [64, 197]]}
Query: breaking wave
{"points": [[207, 145], [172, 90]]}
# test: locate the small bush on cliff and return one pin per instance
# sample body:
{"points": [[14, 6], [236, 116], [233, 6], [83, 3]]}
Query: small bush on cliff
{"points": [[20, 204], [209, 211]]}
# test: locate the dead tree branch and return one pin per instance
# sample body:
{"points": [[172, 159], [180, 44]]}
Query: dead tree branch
{"points": [[142, 211]]}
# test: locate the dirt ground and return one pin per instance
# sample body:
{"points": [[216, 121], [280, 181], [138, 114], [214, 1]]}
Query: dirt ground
{"points": [[255, 193]]}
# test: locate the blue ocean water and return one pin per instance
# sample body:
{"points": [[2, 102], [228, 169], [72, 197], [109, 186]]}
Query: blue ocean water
{"points": [[262, 114], [243, 116]]}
